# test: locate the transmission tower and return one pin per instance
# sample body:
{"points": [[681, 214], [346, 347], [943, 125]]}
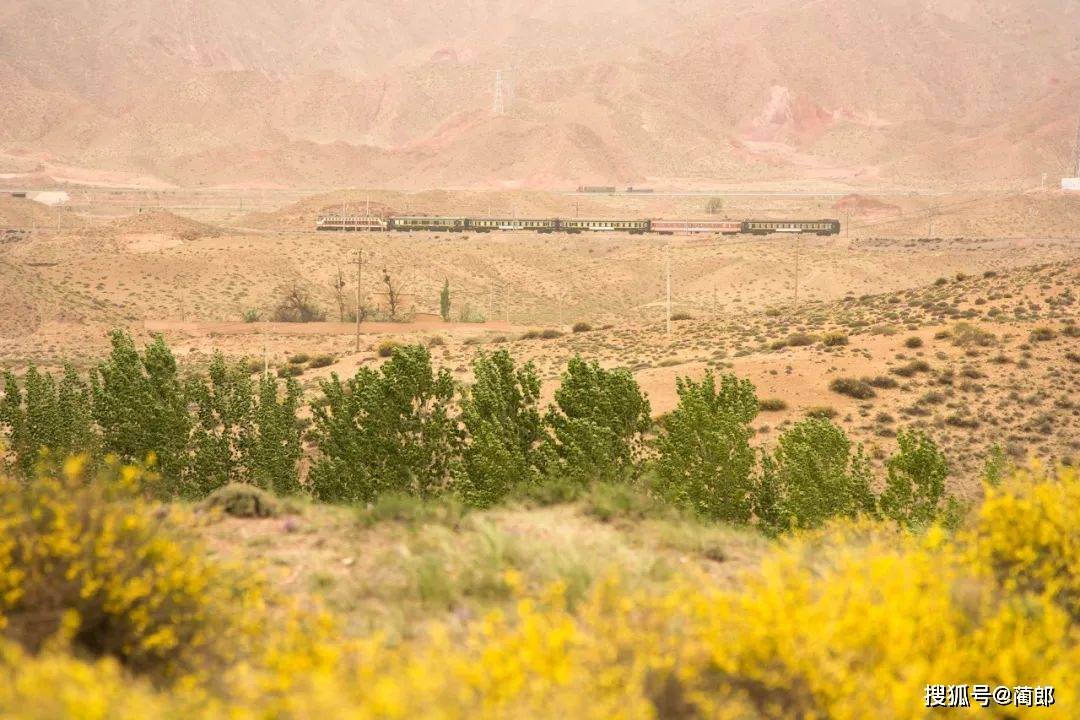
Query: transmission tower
{"points": [[498, 107], [1076, 165]]}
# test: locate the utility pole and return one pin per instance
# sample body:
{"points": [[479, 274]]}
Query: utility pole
{"points": [[359, 270], [266, 361], [714, 315], [667, 258], [930, 223], [798, 244], [507, 286]]}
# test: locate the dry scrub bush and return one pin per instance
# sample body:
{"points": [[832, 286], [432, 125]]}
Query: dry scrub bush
{"points": [[852, 619]]}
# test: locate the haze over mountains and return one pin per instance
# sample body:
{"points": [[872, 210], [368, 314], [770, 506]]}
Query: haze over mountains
{"points": [[399, 93]]}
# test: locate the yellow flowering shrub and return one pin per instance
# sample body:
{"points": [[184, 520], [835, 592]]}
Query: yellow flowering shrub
{"points": [[1027, 535], [90, 558], [851, 621]]}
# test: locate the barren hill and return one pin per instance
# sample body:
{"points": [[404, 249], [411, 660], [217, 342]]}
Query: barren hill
{"points": [[331, 93]]}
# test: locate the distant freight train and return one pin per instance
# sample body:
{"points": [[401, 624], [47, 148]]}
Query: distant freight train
{"points": [[434, 223]]}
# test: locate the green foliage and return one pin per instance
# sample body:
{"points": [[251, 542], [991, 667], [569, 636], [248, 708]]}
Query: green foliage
{"points": [[444, 301], [1042, 334], [995, 466], [140, 406], [222, 430], [915, 484], [274, 455], [46, 414], [706, 460], [242, 500], [627, 501], [413, 511], [385, 431], [599, 419], [501, 417], [386, 348], [242, 432], [812, 476], [834, 339]]}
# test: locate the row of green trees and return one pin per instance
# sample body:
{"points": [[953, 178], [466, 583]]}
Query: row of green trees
{"points": [[202, 431], [409, 428], [395, 429]]}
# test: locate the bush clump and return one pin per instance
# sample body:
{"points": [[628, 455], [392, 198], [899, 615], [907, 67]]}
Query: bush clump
{"points": [[242, 501], [386, 348], [772, 404], [852, 387], [965, 335], [580, 327], [911, 368], [83, 557], [801, 339], [1042, 334], [834, 339]]}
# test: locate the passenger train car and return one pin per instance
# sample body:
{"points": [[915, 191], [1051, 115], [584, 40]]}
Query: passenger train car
{"points": [[576, 225], [818, 227], [436, 223], [351, 222], [670, 227]]}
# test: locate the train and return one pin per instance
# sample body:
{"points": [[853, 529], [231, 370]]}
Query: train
{"points": [[633, 226]]}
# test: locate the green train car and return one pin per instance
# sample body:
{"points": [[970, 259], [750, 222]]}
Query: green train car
{"points": [[814, 227], [577, 225], [542, 225], [407, 223]]}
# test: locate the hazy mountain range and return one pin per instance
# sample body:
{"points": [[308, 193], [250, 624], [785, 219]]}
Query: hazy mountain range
{"points": [[400, 93]]}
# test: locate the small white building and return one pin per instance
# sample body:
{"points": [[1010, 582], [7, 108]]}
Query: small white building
{"points": [[50, 197], [1072, 184]]}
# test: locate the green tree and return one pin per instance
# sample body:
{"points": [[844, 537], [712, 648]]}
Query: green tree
{"points": [[385, 431], [705, 459], [599, 419], [274, 454], [812, 476], [504, 429], [915, 484], [444, 301], [44, 414], [242, 432], [140, 405], [222, 428]]}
